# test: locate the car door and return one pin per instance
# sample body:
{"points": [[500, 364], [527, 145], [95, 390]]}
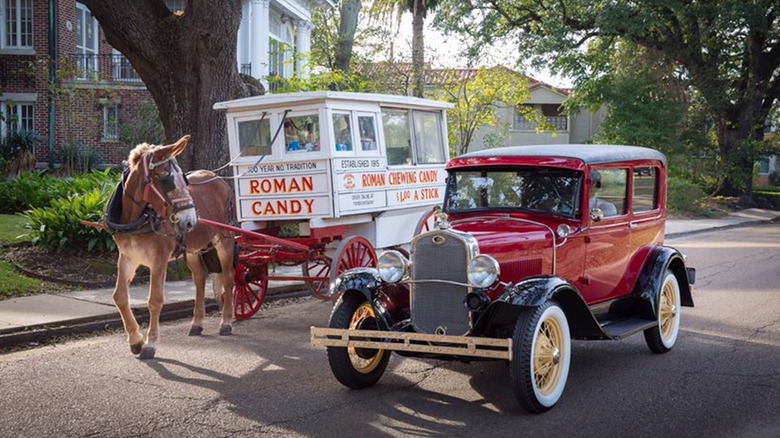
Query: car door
{"points": [[608, 238]]}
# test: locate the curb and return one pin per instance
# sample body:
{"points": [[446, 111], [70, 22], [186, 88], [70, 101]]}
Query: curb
{"points": [[170, 312], [721, 228]]}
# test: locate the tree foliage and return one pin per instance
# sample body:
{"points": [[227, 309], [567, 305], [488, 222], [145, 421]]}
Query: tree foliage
{"points": [[727, 50], [476, 100]]}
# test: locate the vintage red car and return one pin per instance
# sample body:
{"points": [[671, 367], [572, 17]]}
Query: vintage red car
{"points": [[536, 245]]}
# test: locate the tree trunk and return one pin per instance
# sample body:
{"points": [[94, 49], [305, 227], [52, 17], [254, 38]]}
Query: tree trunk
{"points": [[350, 9], [188, 63], [418, 47]]}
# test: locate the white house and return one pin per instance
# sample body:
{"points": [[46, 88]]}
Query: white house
{"points": [[272, 33]]}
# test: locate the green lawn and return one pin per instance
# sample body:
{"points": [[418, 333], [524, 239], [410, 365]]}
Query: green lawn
{"points": [[14, 284], [12, 226]]}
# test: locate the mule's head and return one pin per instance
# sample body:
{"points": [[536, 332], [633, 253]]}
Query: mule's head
{"points": [[165, 184]]}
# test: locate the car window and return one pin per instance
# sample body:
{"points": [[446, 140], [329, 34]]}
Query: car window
{"points": [[608, 191], [544, 190], [645, 196]]}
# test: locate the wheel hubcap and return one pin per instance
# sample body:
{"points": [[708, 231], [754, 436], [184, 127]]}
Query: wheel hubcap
{"points": [[547, 356], [667, 311], [364, 360]]}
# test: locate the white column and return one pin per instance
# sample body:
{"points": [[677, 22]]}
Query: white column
{"points": [[242, 43], [303, 47], [259, 36]]}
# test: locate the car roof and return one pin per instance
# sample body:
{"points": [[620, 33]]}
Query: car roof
{"points": [[587, 153]]}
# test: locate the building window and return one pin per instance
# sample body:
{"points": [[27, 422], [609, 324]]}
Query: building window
{"points": [[15, 117], [551, 113], [110, 123], [763, 166], [16, 24], [280, 46], [86, 42]]}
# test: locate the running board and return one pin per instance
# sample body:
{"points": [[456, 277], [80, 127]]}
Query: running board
{"points": [[414, 342], [626, 327]]}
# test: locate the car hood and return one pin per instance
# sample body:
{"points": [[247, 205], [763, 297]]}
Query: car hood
{"points": [[506, 238]]}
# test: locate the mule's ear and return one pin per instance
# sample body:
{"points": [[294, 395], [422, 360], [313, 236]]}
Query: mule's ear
{"points": [[180, 145]]}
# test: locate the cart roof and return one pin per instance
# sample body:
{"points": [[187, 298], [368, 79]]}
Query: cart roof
{"points": [[587, 153], [287, 99]]}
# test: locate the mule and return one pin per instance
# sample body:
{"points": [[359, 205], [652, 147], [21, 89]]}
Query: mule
{"points": [[160, 206]]}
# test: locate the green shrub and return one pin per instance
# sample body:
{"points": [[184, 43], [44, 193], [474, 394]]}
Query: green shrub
{"points": [[37, 190], [774, 178], [685, 197], [59, 226], [772, 196]]}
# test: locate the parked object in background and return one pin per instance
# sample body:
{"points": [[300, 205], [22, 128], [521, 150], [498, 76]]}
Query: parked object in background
{"points": [[517, 266]]}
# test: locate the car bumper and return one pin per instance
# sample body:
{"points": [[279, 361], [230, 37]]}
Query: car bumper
{"points": [[491, 348]]}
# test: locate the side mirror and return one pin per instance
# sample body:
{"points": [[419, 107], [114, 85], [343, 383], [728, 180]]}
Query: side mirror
{"points": [[596, 215]]}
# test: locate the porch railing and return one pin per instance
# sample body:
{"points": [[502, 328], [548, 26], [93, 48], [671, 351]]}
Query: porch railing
{"points": [[103, 67]]}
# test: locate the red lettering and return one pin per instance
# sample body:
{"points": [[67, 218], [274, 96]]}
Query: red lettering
{"points": [[308, 184], [253, 184], [269, 210], [296, 206], [281, 207], [280, 185], [265, 186], [257, 208], [309, 205]]}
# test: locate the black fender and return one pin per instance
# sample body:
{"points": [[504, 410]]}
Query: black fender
{"points": [[504, 312], [366, 282], [647, 288]]}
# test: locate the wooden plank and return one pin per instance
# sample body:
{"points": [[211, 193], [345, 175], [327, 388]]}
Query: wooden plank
{"points": [[414, 342]]}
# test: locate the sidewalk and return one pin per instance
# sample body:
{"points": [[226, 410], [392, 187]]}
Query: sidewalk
{"points": [[37, 318]]}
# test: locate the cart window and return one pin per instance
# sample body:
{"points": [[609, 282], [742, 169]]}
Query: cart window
{"points": [[342, 132], [427, 134], [254, 137], [367, 127], [608, 191], [302, 134], [398, 139], [645, 189]]}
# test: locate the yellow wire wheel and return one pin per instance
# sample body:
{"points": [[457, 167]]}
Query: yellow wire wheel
{"points": [[541, 355], [356, 368], [364, 360], [548, 350], [662, 338]]}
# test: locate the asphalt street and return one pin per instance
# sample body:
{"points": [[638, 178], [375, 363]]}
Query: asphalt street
{"points": [[722, 379]]}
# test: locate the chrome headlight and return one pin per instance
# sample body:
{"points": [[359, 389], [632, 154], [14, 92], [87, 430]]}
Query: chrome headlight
{"points": [[392, 266], [483, 271]]}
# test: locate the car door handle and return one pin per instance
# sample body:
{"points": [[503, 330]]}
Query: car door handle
{"points": [[632, 225]]}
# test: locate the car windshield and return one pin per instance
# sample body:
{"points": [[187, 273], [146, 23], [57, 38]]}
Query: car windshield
{"points": [[535, 189]]}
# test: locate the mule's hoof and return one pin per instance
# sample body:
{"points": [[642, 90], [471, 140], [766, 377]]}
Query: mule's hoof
{"points": [[196, 330], [147, 353], [136, 348], [226, 330]]}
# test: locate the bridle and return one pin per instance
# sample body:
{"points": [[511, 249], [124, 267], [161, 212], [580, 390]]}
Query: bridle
{"points": [[167, 185]]}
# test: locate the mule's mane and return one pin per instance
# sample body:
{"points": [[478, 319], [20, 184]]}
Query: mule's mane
{"points": [[139, 151]]}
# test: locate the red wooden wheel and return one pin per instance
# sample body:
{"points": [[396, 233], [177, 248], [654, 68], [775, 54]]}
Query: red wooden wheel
{"points": [[319, 266], [249, 291], [425, 223], [354, 252]]}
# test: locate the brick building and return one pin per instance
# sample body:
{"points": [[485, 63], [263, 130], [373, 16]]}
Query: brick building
{"points": [[98, 92]]}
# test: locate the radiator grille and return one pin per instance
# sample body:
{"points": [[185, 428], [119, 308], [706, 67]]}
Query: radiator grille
{"points": [[436, 304]]}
